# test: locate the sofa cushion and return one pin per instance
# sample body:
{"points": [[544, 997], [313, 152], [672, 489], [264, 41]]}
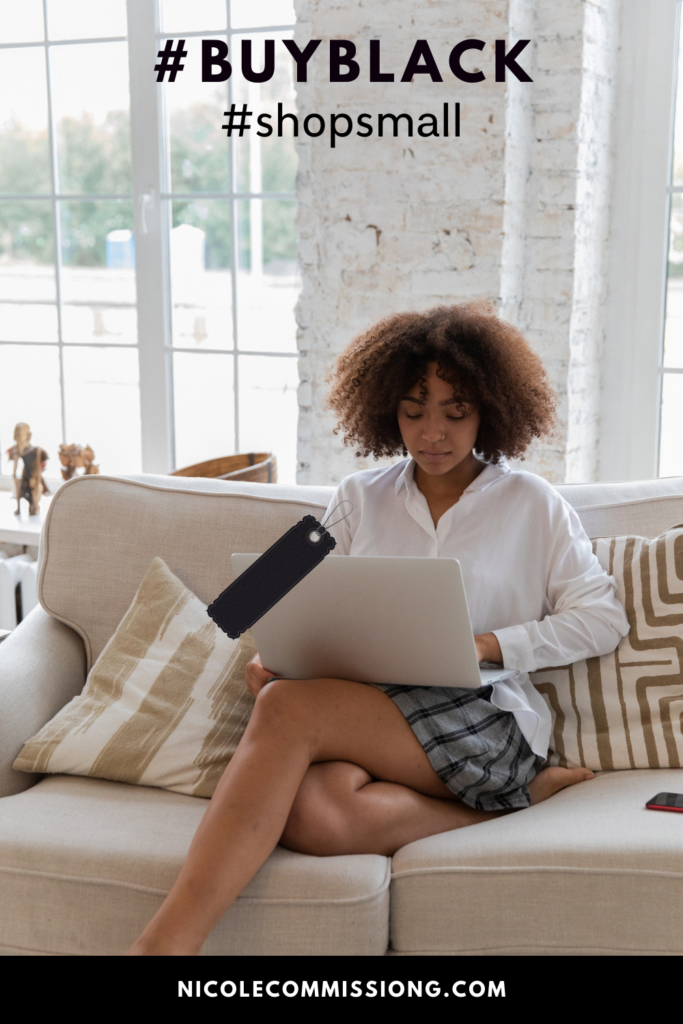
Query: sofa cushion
{"points": [[85, 864], [590, 871], [643, 507], [165, 704], [624, 710], [101, 533]]}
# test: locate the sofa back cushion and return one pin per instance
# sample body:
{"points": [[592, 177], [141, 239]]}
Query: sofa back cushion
{"points": [[643, 508], [101, 533]]}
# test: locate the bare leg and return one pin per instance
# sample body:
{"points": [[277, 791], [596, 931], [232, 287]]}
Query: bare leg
{"points": [[294, 724], [340, 809], [297, 724]]}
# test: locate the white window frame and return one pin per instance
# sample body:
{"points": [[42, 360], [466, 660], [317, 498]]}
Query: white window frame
{"points": [[639, 240], [150, 176]]}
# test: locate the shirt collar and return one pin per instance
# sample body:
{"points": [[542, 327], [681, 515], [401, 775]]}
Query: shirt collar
{"points": [[488, 475], [405, 477]]}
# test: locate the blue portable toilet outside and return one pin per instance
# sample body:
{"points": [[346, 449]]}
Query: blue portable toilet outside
{"points": [[120, 246]]}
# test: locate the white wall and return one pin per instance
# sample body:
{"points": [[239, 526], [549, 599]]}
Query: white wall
{"points": [[565, 228], [516, 211]]}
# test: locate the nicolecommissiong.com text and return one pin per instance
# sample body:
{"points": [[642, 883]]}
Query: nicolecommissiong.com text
{"points": [[336, 989]]}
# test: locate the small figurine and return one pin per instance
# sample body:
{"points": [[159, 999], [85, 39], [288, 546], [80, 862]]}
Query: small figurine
{"points": [[31, 486], [74, 456]]}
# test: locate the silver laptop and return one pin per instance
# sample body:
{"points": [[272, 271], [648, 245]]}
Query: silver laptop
{"points": [[373, 620]]}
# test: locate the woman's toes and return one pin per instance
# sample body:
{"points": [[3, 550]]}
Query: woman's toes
{"points": [[552, 780], [579, 775], [563, 777]]}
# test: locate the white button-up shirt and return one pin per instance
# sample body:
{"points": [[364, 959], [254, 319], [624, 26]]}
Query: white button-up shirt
{"points": [[529, 570]]}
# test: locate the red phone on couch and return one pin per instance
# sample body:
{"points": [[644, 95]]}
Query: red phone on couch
{"points": [[666, 802]]}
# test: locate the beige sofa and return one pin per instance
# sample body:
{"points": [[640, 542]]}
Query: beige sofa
{"points": [[84, 863]]}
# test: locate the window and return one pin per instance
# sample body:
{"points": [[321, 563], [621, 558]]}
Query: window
{"points": [[632, 432], [147, 262], [68, 337], [671, 426]]}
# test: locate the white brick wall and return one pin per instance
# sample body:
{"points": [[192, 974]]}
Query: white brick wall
{"points": [[515, 211]]}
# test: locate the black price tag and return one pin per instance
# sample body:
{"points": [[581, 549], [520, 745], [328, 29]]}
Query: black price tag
{"points": [[273, 575]]}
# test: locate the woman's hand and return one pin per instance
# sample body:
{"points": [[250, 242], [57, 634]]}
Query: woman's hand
{"points": [[257, 676], [488, 648]]}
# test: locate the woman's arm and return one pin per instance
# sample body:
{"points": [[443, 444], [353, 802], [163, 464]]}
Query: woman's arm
{"points": [[586, 618], [488, 648]]}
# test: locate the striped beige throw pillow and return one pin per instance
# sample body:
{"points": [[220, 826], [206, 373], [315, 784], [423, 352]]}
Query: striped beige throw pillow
{"points": [[625, 710], [165, 704]]}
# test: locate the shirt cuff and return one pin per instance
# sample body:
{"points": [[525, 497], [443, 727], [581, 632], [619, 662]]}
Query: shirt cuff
{"points": [[516, 648]]}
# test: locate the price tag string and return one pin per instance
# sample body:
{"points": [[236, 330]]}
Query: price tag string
{"points": [[323, 526]]}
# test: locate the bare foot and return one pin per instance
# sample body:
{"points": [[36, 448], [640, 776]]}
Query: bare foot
{"points": [[551, 780]]}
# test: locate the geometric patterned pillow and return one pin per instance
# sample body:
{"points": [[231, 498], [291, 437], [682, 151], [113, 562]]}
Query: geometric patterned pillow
{"points": [[165, 704], [625, 709]]}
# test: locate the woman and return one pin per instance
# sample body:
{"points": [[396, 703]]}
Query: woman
{"points": [[329, 766]]}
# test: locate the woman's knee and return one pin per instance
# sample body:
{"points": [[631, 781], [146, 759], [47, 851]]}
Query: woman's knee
{"points": [[278, 705], [296, 711]]}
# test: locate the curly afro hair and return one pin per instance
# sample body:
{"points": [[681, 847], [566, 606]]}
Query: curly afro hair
{"points": [[487, 361]]}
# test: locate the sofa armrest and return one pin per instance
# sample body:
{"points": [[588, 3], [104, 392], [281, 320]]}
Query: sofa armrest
{"points": [[42, 666]]}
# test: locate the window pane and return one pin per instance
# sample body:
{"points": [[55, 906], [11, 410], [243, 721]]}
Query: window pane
{"points": [[83, 19], [247, 14], [98, 273], [201, 288], [267, 164], [198, 16], [93, 123], [27, 251], [29, 393], [204, 407], [200, 152], [267, 284], [671, 441], [22, 321], [677, 175], [673, 329], [102, 400], [21, 22], [269, 410], [24, 150]]}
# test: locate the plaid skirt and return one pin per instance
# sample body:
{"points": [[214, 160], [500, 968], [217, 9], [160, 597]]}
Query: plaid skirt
{"points": [[474, 747]]}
